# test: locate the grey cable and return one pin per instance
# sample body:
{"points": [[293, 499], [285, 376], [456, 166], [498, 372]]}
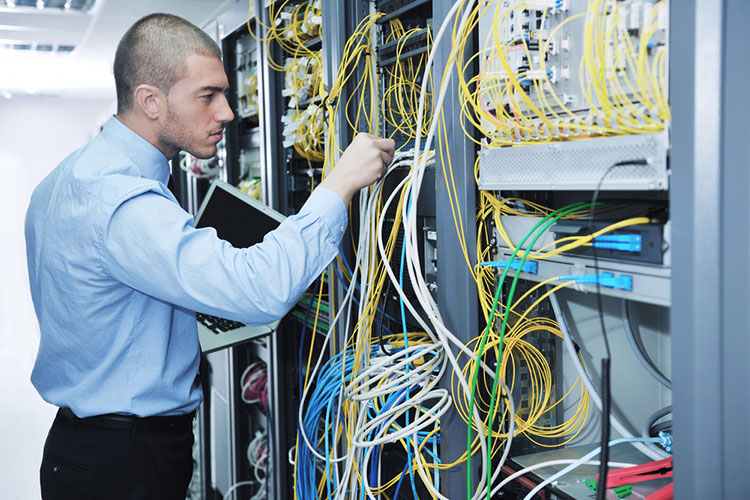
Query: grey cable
{"points": [[651, 420], [640, 351], [650, 450]]}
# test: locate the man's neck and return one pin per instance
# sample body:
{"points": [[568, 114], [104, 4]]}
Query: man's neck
{"points": [[146, 129]]}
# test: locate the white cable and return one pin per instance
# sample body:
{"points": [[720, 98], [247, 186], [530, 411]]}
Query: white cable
{"points": [[231, 489], [347, 297], [427, 419], [411, 242], [246, 384], [367, 384], [311, 376]]}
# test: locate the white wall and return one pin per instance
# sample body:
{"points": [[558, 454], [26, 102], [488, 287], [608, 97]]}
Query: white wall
{"points": [[36, 133]]}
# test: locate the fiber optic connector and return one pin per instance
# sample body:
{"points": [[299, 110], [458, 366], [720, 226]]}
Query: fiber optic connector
{"points": [[528, 266], [620, 242], [609, 280]]}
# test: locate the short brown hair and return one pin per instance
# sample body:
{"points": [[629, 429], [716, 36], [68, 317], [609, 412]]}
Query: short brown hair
{"points": [[153, 51]]}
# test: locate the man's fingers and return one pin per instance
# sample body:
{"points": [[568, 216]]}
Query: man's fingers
{"points": [[388, 145], [382, 143], [386, 156]]}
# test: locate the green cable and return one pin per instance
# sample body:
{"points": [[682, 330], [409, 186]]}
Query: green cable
{"points": [[549, 219], [566, 211]]}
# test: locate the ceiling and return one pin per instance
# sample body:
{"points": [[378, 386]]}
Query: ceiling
{"points": [[52, 50]]}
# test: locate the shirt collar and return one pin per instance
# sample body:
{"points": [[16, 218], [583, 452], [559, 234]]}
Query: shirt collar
{"points": [[149, 160]]}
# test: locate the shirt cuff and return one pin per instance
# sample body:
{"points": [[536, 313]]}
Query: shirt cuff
{"points": [[330, 208]]}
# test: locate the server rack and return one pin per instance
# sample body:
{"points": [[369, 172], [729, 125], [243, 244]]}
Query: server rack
{"points": [[706, 171]]}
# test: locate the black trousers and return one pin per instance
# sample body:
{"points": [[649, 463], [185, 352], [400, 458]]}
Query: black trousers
{"points": [[98, 459]]}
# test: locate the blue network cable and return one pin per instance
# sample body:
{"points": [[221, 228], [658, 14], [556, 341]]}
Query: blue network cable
{"points": [[410, 458], [323, 401], [393, 400]]}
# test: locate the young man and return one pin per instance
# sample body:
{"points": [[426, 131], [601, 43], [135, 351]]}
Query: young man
{"points": [[117, 270]]}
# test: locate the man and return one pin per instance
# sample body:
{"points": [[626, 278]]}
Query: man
{"points": [[117, 271]]}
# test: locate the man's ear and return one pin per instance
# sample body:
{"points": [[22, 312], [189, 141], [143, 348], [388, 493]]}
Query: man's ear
{"points": [[150, 100]]}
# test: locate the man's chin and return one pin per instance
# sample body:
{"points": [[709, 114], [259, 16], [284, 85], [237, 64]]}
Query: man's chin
{"points": [[203, 154]]}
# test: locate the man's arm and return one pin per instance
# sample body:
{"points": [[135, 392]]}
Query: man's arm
{"points": [[150, 245]]}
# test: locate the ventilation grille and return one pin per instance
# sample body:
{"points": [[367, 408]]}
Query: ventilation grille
{"points": [[38, 47], [76, 5], [576, 165]]}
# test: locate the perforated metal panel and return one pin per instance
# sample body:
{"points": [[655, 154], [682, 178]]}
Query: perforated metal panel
{"points": [[578, 164]]}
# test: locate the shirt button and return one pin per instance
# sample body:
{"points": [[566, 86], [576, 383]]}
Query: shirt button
{"points": [[342, 229]]}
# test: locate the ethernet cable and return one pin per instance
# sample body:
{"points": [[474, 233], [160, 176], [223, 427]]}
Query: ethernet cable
{"points": [[359, 257], [411, 267], [425, 299]]}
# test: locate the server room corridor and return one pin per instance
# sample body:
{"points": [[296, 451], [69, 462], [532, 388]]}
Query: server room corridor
{"points": [[36, 133]]}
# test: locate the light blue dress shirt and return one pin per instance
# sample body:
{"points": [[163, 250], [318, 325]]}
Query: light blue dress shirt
{"points": [[117, 270]]}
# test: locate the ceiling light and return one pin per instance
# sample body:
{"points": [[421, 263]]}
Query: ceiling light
{"points": [[49, 5]]}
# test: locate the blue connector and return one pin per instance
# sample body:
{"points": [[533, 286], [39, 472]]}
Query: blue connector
{"points": [[666, 441], [620, 247], [622, 282], [619, 242], [620, 238], [529, 266]]}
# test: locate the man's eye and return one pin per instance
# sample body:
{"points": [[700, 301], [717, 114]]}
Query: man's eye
{"points": [[207, 96]]}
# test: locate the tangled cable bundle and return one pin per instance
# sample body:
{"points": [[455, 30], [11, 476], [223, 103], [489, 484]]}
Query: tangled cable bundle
{"points": [[375, 394]]}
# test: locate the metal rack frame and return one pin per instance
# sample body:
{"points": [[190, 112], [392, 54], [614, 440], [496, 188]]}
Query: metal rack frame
{"points": [[711, 244], [710, 288]]}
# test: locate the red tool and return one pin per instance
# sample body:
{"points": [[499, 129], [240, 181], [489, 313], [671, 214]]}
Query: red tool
{"points": [[666, 493], [645, 472], [639, 473]]}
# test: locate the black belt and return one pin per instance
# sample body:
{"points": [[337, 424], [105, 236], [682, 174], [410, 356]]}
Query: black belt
{"points": [[119, 422]]}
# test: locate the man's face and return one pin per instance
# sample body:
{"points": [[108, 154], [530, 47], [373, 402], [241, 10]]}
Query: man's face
{"points": [[197, 108]]}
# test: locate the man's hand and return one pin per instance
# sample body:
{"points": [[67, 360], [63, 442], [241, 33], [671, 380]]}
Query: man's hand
{"points": [[363, 162]]}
